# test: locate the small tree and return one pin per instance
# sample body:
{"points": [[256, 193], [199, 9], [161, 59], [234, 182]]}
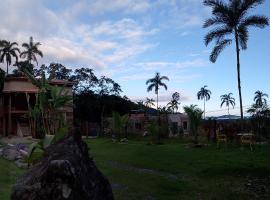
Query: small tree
{"points": [[119, 123], [228, 100], [195, 116], [204, 94]]}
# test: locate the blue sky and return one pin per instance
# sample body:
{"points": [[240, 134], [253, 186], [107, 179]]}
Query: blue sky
{"points": [[130, 40]]}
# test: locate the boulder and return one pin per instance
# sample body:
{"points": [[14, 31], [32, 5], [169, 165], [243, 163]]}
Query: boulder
{"points": [[10, 152], [65, 172]]}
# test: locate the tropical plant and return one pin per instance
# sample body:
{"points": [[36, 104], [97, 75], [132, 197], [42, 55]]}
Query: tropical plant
{"points": [[173, 104], [153, 129], [195, 116], [8, 51], [36, 149], [149, 102], [119, 123], [31, 50], [260, 98], [232, 19], [228, 100], [50, 99], [259, 113], [204, 94], [155, 83]]}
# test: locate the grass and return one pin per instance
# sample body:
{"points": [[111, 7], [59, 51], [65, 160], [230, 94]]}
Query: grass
{"points": [[171, 171], [8, 175], [207, 173]]}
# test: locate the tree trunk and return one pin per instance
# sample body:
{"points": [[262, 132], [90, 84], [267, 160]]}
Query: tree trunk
{"points": [[158, 120], [238, 75], [204, 107], [7, 68]]}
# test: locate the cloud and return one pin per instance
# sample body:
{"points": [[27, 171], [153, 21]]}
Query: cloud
{"points": [[72, 42], [102, 7]]}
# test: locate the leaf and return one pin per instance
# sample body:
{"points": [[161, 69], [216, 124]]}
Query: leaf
{"points": [[60, 133]]}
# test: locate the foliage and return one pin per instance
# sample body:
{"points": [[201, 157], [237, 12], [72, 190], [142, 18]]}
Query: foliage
{"points": [[173, 104], [119, 123], [149, 102], [31, 50], [228, 100], [153, 129], [45, 143], [260, 115], [231, 19], [260, 98], [204, 94], [8, 50], [50, 99], [195, 117]]}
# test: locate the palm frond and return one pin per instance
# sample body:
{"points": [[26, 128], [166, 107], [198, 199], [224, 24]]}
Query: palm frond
{"points": [[218, 49]]}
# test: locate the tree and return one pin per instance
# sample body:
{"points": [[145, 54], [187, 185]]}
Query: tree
{"points": [[50, 100], [232, 19], [195, 116], [228, 100], [149, 102], [8, 51], [155, 83], [119, 123], [31, 50], [260, 98], [204, 94], [173, 104], [259, 115]]}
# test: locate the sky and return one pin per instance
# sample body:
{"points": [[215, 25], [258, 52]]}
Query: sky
{"points": [[130, 40]]}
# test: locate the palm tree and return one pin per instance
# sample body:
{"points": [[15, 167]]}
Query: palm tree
{"points": [[260, 98], [31, 51], [156, 83], [149, 102], [173, 104], [232, 19], [195, 116], [7, 51], [228, 100], [204, 94]]}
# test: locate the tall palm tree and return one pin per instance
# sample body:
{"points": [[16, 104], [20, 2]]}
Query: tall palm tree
{"points": [[228, 100], [204, 94], [149, 102], [260, 98], [232, 19], [8, 51], [31, 50], [195, 115], [156, 83]]}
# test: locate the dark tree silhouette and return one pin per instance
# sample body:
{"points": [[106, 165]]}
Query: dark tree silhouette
{"points": [[260, 98], [173, 104], [228, 100], [155, 83], [8, 51], [205, 95], [231, 21], [31, 50]]}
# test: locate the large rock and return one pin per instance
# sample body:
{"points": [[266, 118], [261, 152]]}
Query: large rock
{"points": [[64, 172]]}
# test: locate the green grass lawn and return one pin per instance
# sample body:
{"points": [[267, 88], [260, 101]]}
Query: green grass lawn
{"points": [[172, 171], [8, 175], [206, 173]]}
